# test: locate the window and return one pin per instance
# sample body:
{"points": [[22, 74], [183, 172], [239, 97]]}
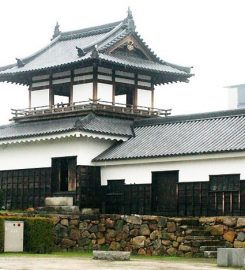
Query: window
{"points": [[64, 174], [224, 182]]}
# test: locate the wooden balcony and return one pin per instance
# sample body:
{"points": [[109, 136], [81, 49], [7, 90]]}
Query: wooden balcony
{"points": [[84, 107]]}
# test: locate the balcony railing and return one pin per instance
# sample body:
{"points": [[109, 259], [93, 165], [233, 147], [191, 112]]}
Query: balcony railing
{"points": [[90, 105]]}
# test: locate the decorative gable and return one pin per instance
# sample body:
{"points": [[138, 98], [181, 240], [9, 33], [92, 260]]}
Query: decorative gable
{"points": [[131, 46]]}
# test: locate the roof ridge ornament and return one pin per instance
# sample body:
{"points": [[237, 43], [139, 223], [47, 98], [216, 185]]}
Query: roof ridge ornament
{"points": [[56, 31], [20, 63], [130, 21], [95, 52], [80, 52]]}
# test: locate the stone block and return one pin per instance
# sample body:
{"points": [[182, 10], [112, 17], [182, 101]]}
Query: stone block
{"points": [[111, 255], [217, 230], [230, 221], [229, 236], [59, 201], [231, 257], [241, 236], [241, 222], [136, 220], [90, 211], [138, 242], [62, 209]]}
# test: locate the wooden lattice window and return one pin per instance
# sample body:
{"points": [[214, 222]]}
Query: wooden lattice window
{"points": [[224, 182]]}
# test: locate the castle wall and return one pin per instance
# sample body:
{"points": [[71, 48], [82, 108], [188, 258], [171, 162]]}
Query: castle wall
{"points": [[191, 168], [39, 154]]}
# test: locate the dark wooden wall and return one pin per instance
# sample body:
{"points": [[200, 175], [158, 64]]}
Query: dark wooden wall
{"points": [[88, 187], [29, 187], [193, 199], [25, 188]]}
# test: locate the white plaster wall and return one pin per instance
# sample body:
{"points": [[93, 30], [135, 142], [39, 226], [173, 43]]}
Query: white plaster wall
{"points": [[39, 154], [40, 98], [104, 92], [189, 170], [144, 98], [82, 92], [232, 98]]}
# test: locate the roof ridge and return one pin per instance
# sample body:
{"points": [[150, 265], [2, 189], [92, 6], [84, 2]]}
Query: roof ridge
{"points": [[85, 31], [190, 117]]}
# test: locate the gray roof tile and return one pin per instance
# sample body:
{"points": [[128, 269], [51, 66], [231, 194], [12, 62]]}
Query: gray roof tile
{"points": [[62, 51], [185, 135], [90, 123]]}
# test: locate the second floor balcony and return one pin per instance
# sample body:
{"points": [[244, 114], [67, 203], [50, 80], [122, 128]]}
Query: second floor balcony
{"points": [[84, 107]]}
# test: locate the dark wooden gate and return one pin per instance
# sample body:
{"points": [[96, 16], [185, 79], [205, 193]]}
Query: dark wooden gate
{"points": [[164, 192]]}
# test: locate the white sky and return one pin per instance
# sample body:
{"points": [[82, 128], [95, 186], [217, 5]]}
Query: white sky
{"points": [[206, 34]]}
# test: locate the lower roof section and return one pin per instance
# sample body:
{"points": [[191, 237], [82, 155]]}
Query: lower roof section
{"points": [[91, 123], [214, 132]]}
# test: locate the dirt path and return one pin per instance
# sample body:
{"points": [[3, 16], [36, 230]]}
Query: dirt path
{"points": [[56, 263]]}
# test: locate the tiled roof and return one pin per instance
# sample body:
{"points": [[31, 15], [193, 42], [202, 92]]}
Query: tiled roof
{"points": [[90, 123], [62, 52], [183, 135]]}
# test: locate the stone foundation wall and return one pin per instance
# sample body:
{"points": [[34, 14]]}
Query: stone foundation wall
{"points": [[148, 235]]}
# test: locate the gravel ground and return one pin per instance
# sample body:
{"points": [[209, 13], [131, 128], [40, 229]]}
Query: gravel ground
{"points": [[57, 263]]}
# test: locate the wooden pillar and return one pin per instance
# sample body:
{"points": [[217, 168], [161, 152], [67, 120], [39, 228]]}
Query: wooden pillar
{"points": [[95, 81], [135, 97], [113, 87], [152, 98], [152, 95], [71, 88], [29, 97], [51, 92]]}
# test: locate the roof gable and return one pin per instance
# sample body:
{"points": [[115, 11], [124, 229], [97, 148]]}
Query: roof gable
{"points": [[130, 45]]}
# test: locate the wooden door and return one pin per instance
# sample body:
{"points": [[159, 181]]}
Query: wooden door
{"points": [[164, 192]]}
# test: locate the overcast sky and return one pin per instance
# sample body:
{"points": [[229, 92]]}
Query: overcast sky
{"points": [[205, 34]]}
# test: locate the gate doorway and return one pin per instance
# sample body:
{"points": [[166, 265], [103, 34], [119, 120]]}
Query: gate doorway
{"points": [[164, 192], [64, 174]]}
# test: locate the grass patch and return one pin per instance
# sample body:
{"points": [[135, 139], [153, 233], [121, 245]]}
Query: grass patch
{"points": [[61, 254]]}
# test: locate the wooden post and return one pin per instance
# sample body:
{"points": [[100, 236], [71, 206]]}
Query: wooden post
{"points": [[29, 97], [113, 87], [71, 88], [51, 92], [135, 94], [152, 95], [95, 82]]}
